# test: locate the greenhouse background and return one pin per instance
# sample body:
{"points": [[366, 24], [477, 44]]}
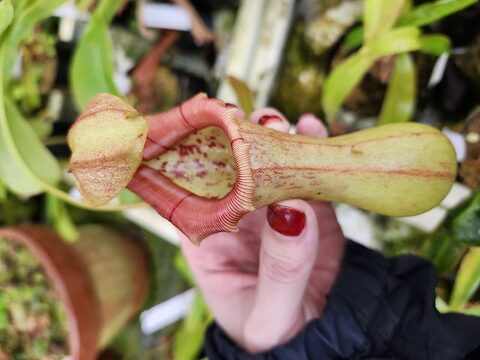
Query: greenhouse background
{"points": [[117, 269]]}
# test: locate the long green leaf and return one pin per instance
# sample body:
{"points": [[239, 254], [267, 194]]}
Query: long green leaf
{"points": [[464, 221], [189, 339], [6, 14], [399, 102], [348, 74], [92, 69], [13, 171], [472, 310], [59, 218], [435, 44], [182, 267], [41, 162], [243, 94], [442, 250], [379, 16], [430, 12], [396, 41], [467, 280], [342, 80], [353, 39]]}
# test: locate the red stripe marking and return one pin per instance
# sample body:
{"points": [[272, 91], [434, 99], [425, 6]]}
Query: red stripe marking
{"points": [[406, 172], [176, 206], [156, 143], [184, 119], [239, 138]]}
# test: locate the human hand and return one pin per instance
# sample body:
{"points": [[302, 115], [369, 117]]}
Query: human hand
{"points": [[265, 282]]}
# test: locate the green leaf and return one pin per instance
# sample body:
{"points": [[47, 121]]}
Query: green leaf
{"points": [[189, 339], [354, 38], [442, 250], [434, 44], [467, 280], [396, 41], [430, 12], [59, 218], [471, 310], [348, 74], [26, 17], [30, 149], [465, 221], [182, 267], [14, 171], [342, 80], [243, 93], [399, 102], [92, 69], [3, 192], [379, 16], [6, 14], [441, 305]]}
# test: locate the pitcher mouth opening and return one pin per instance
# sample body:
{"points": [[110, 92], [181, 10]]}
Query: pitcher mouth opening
{"points": [[202, 163], [194, 215]]}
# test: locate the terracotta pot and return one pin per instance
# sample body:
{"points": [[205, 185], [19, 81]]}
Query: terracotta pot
{"points": [[102, 280]]}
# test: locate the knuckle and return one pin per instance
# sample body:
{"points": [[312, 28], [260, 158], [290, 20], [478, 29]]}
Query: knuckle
{"points": [[281, 268]]}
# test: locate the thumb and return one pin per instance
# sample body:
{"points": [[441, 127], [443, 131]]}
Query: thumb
{"points": [[288, 253]]}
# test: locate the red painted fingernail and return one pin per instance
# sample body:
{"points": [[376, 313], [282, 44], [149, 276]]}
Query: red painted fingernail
{"points": [[230, 105], [268, 119], [286, 220]]}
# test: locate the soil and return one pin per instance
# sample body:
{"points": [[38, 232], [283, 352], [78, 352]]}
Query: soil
{"points": [[32, 320]]}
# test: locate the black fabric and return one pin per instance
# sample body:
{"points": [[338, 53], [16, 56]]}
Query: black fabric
{"points": [[379, 308]]}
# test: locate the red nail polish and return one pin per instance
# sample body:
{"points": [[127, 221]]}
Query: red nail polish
{"points": [[266, 119], [230, 105], [286, 220]]}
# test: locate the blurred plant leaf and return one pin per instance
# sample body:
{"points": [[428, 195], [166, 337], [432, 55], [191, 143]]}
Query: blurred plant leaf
{"points": [[434, 44], [243, 93], [14, 171], [3, 192], [182, 267], [348, 74], [442, 250], [85, 4], [59, 218], [27, 15], [354, 38], [460, 228], [128, 197], [379, 16], [342, 80], [433, 11], [26, 166], [441, 305], [189, 339], [399, 102], [471, 310], [23, 159], [41, 162], [467, 279], [465, 221], [92, 69], [396, 41], [6, 14]]}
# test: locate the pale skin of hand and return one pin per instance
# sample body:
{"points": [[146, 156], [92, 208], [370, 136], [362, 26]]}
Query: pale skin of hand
{"points": [[262, 286]]}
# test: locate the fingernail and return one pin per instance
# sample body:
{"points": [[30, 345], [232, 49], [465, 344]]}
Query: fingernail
{"points": [[269, 119], [230, 105], [286, 220]]}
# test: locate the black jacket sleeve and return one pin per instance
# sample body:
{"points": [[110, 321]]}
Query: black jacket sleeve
{"points": [[379, 308]]}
